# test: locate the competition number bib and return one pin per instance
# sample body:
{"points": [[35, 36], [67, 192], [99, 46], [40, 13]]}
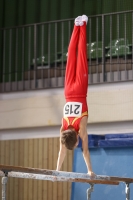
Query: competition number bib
{"points": [[72, 109]]}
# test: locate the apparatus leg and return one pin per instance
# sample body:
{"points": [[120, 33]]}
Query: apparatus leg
{"points": [[4, 183], [127, 191], [89, 191]]}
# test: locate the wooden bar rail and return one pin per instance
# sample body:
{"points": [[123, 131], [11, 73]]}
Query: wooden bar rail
{"points": [[98, 179], [53, 175]]}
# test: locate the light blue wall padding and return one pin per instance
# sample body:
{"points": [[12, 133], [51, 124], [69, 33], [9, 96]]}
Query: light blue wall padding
{"points": [[116, 161]]}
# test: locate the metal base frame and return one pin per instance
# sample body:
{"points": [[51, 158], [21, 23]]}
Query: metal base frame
{"points": [[91, 189]]}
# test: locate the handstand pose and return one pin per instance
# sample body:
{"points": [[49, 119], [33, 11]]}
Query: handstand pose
{"points": [[74, 121]]}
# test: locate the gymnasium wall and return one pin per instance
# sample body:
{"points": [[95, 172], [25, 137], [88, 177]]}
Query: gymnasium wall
{"points": [[107, 103], [36, 153]]}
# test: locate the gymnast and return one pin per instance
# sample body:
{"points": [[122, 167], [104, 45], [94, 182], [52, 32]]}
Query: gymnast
{"points": [[74, 121]]}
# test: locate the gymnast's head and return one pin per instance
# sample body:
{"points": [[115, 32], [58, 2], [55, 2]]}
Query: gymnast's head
{"points": [[70, 139]]}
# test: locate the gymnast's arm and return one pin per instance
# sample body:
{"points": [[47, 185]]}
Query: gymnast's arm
{"points": [[84, 137], [62, 153]]}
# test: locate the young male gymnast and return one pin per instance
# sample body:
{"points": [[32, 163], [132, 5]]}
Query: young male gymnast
{"points": [[74, 121]]}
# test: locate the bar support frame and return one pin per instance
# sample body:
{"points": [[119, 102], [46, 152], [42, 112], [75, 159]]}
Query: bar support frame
{"points": [[4, 185], [127, 191], [89, 191]]}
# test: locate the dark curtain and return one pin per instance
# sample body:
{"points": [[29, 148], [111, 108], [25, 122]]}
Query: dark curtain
{"points": [[21, 12]]}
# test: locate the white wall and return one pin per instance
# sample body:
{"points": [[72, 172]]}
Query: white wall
{"points": [[40, 112]]}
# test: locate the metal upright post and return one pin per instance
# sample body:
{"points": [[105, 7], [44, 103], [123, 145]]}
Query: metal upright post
{"points": [[127, 191], [35, 56], [4, 183], [89, 191], [103, 50]]}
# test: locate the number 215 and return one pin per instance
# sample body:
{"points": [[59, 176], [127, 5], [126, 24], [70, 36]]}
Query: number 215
{"points": [[69, 109]]}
